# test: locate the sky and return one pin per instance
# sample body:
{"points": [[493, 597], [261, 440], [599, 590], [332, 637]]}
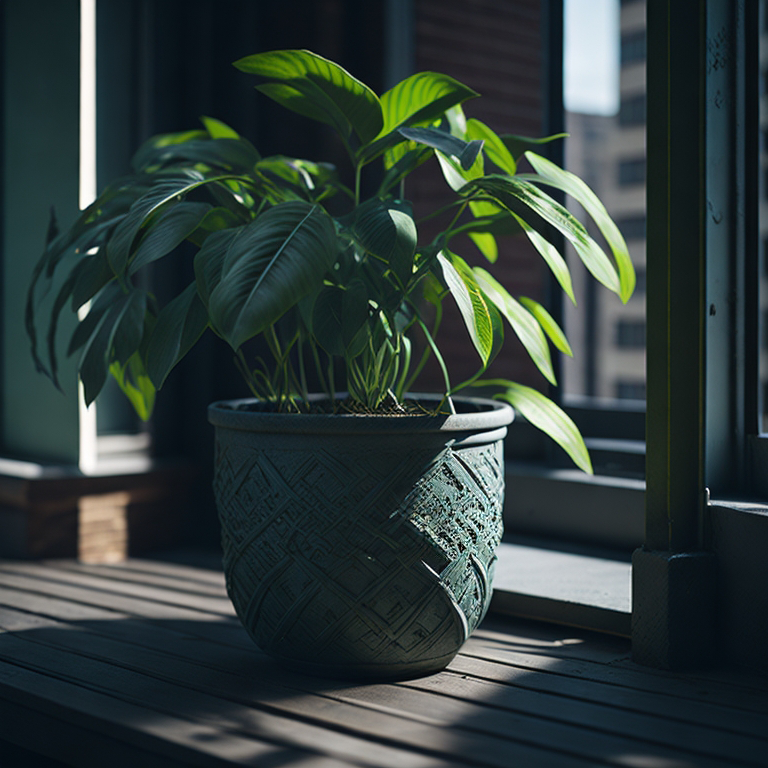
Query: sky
{"points": [[591, 57]]}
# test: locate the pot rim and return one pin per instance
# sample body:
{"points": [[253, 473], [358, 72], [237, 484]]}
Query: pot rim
{"points": [[489, 415]]}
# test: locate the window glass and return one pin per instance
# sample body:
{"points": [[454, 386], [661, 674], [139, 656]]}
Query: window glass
{"points": [[605, 102]]}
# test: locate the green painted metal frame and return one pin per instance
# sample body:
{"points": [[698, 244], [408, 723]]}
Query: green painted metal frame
{"points": [[676, 267]]}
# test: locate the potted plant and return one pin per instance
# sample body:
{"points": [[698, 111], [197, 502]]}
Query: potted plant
{"points": [[359, 529]]}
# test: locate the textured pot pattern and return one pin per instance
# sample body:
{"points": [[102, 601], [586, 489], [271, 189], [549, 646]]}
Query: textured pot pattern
{"points": [[364, 552]]}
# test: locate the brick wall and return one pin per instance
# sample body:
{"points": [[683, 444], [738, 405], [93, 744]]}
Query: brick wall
{"points": [[495, 47]]}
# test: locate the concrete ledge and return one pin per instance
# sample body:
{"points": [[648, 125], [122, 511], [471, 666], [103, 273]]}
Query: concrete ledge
{"points": [[581, 588]]}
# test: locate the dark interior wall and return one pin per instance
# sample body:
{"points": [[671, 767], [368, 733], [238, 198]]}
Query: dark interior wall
{"points": [[163, 64]]}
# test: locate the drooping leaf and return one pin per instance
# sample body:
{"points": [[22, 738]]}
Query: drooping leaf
{"points": [[318, 88], [274, 261], [386, 229], [172, 226], [117, 321], [474, 307], [520, 195], [551, 256], [540, 411], [548, 325], [179, 325], [522, 321], [572, 185], [166, 189]]}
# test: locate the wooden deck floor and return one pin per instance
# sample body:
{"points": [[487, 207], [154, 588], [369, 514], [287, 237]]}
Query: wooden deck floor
{"points": [[144, 665]]}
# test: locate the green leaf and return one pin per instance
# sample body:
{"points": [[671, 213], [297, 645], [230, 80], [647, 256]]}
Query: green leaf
{"points": [[519, 145], [272, 263], [171, 228], [518, 195], [540, 411], [386, 229], [318, 88], [166, 189], [179, 325], [474, 307], [133, 380], [572, 185], [551, 256], [522, 321], [216, 219], [338, 317], [419, 99], [209, 261], [116, 328], [228, 154], [486, 244], [147, 154], [495, 149], [217, 129], [465, 152], [548, 325]]}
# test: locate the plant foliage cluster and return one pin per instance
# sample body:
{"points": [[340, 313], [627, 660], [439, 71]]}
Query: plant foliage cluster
{"points": [[271, 260]]}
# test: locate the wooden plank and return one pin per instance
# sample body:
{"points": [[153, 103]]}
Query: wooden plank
{"points": [[126, 670], [709, 714], [118, 601], [120, 726], [217, 604], [209, 575], [117, 575], [655, 728], [629, 675]]}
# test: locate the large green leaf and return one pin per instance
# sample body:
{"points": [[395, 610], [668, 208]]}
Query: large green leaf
{"points": [[572, 185], [317, 88], [172, 226], [209, 261], [386, 229], [272, 263], [475, 309], [167, 188], [522, 321], [226, 154], [179, 325], [339, 315], [518, 195], [540, 411], [146, 155], [419, 99]]}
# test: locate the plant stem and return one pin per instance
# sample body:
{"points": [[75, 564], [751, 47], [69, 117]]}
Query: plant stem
{"points": [[427, 350]]}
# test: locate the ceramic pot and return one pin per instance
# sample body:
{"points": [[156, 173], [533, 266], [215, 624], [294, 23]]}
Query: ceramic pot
{"points": [[360, 546]]}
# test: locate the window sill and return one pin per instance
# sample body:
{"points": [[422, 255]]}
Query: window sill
{"points": [[570, 585]]}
